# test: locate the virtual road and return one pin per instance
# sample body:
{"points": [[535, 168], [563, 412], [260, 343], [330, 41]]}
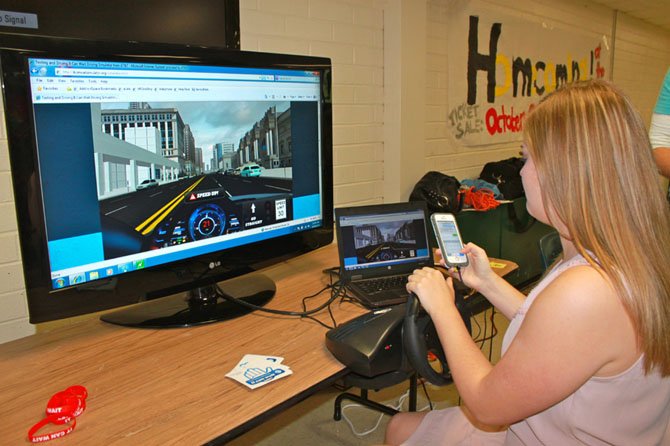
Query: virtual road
{"points": [[387, 251], [144, 209]]}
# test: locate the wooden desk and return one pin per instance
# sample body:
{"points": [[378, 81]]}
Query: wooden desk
{"points": [[150, 387]]}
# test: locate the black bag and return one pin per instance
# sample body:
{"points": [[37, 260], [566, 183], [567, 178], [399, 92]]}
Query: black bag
{"points": [[506, 175], [439, 191]]}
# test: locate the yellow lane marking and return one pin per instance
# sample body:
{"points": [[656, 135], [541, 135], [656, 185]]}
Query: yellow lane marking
{"points": [[374, 252], [150, 223]]}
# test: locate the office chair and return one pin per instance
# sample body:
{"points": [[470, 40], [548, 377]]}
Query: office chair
{"points": [[550, 248]]}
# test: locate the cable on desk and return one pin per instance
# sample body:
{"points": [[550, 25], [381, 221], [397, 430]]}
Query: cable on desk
{"points": [[243, 303], [337, 291], [333, 271], [345, 296]]}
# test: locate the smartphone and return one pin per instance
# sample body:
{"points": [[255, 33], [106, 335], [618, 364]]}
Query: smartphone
{"points": [[449, 239]]}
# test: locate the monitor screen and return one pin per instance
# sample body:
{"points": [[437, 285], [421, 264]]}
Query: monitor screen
{"points": [[383, 240], [145, 162]]}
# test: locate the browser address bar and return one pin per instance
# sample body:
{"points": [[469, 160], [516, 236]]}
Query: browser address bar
{"points": [[160, 74]]}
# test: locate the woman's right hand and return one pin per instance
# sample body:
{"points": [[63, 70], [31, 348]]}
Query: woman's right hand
{"points": [[478, 273]]}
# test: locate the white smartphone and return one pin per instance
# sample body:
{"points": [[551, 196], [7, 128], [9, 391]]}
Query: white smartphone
{"points": [[449, 239]]}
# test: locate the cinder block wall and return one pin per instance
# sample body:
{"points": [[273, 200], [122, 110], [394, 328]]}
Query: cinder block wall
{"points": [[389, 96]]}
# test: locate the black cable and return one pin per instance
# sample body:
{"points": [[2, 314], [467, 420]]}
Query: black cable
{"points": [[333, 296], [323, 324], [479, 330], [425, 391], [460, 276], [337, 291], [485, 332], [483, 340], [304, 309], [243, 303], [494, 332], [333, 271]]}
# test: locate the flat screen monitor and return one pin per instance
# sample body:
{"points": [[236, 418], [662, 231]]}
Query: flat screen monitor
{"points": [[146, 170]]}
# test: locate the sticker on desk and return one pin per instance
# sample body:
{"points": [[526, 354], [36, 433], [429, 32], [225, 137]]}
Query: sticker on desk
{"points": [[497, 265], [257, 370]]}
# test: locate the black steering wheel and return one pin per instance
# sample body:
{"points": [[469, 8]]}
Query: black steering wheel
{"points": [[419, 337]]}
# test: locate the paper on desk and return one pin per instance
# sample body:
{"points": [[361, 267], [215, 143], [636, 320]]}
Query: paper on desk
{"points": [[257, 370]]}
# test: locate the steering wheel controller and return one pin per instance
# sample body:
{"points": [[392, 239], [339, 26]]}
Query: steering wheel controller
{"points": [[420, 337]]}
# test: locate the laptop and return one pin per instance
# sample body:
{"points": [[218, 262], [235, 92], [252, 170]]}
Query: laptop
{"points": [[379, 246]]}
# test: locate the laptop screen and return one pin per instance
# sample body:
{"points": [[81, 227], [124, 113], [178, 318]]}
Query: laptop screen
{"points": [[382, 236]]}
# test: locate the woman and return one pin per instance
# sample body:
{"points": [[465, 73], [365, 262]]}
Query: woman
{"points": [[586, 357]]}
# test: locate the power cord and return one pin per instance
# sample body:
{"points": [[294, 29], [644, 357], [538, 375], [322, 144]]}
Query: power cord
{"points": [[398, 406]]}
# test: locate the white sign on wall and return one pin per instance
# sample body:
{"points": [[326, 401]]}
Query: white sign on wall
{"points": [[18, 19], [501, 65]]}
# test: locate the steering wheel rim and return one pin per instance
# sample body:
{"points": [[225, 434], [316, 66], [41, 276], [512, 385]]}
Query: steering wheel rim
{"points": [[420, 337]]}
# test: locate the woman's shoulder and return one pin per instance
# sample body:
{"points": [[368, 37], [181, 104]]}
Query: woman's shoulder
{"points": [[589, 304], [580, 287], [569, 277]]}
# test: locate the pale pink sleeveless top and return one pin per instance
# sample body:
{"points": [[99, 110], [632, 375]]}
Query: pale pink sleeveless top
{"points": [[626, 409]]}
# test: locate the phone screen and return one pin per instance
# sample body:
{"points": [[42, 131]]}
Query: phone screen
{"points": [[451, 242]]}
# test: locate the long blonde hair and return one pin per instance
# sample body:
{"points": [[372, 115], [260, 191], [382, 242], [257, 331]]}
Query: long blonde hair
{"points": [[598, 177]]}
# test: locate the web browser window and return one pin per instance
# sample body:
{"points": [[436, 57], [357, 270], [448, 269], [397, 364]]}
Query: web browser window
{"points": [[158, 155]]}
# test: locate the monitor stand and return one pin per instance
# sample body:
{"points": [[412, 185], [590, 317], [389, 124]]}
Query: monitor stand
{"points": [[201, 305]]}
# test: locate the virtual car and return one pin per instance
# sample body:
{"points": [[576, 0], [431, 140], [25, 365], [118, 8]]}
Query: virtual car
{"points": [[250, 170], [147, 184]]}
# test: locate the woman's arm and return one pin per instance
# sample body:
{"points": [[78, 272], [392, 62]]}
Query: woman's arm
{"points": [[575, 329], [479, 275], [503, 296], [659, 134], [662, 158]]}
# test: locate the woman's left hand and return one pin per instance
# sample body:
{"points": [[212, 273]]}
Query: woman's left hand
{"points": [[434, 292]]}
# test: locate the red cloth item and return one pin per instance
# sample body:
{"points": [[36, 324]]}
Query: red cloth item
{"points": [[481, 200]]}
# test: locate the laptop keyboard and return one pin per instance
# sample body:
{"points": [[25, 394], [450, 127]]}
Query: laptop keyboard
{"points": [[377, 285]]}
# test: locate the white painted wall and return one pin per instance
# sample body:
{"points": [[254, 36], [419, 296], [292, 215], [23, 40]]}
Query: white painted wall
{"points": [[389, 94], [380, 161], [352, 34], [13, 306]]}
